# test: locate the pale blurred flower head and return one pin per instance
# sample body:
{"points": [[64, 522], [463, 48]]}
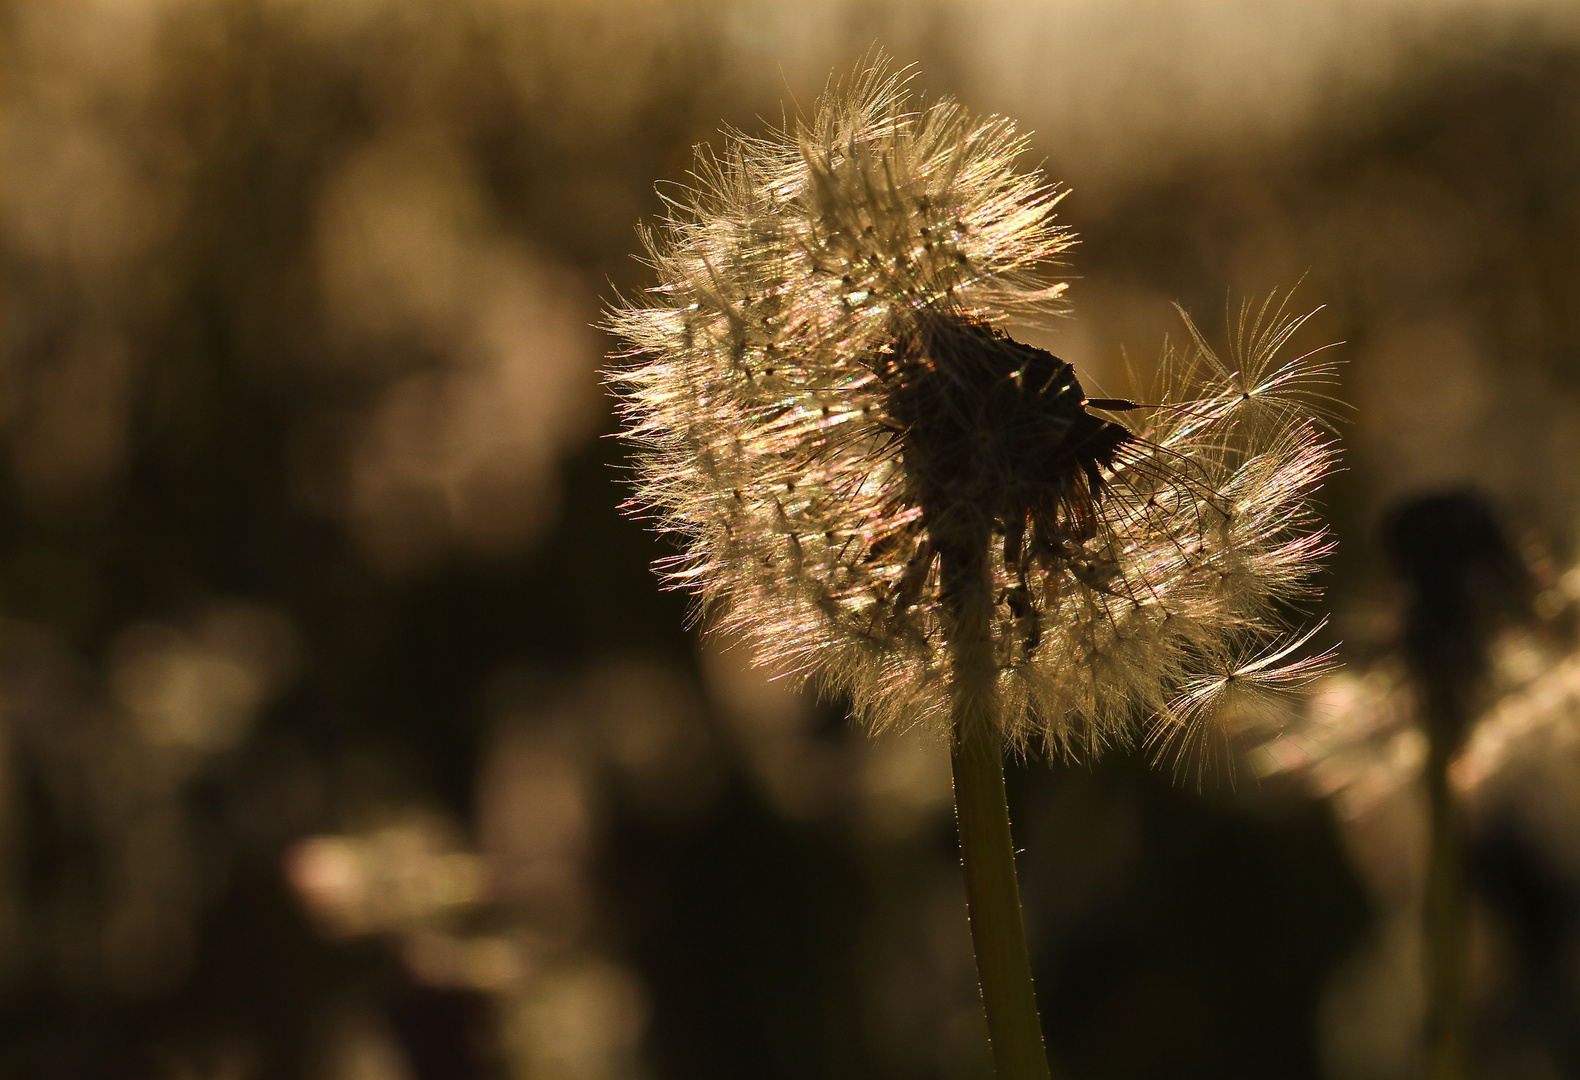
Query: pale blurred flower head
{"points": [[827, 410], [1493, 620]]}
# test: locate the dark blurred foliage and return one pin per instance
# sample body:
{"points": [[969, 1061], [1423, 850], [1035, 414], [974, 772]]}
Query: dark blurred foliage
{"points": [[344, 731]]}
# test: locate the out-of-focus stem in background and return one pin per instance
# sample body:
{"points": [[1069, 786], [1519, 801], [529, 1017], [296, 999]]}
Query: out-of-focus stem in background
{"points": [[1445, 896], [1465, 581]]}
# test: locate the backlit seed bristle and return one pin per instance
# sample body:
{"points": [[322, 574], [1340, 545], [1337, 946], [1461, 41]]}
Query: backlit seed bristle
{"points": [[825, 402]]}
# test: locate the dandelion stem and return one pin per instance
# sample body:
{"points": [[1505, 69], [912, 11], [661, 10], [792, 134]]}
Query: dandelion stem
{"points": [[998, 932], [1445, 894]]}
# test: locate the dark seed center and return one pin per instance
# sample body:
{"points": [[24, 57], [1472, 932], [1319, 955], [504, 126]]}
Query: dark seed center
{"points": [[995, 434]]}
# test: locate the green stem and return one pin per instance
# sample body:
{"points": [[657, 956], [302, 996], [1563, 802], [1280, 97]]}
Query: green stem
{"points": [[982, 813]]}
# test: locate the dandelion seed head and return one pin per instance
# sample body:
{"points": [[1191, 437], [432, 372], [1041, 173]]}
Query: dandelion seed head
{"points": [[827, 405]]}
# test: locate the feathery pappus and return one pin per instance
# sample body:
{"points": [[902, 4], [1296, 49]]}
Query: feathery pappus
{"points": [[826, 406]]}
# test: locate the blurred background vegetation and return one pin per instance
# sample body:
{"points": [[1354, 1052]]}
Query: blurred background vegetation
{"points": [[344, 732]]}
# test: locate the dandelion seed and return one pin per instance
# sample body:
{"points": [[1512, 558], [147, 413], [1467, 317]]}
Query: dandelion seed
{"points": [[1254, 694]]}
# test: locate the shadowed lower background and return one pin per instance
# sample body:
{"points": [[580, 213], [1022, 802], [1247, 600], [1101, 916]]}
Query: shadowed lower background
{"points": [[344, 731]]}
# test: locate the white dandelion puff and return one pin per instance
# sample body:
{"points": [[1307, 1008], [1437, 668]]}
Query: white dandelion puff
{"points": [[885, 492], [827, 409]]}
